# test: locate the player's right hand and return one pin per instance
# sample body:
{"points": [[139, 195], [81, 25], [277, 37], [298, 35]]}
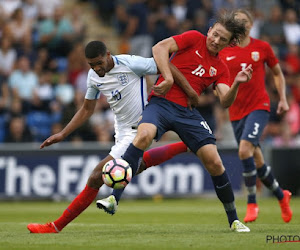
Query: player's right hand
{"points": [[51, 140], [163, 87]]}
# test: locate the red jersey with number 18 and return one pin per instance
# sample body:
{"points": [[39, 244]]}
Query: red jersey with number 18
{"points": [[199, 67], [251, 95]]}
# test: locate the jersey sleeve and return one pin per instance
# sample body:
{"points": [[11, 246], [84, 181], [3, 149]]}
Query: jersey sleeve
{"points": [[139, 65], [187, 39], [271, 59], [91, 92]]}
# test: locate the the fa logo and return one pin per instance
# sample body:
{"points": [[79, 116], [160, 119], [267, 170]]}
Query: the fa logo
{"points": [[255, 56], [212, 71], [123, 79]]}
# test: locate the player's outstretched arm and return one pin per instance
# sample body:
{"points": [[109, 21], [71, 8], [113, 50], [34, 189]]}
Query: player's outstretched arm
{"points": [[78, 119], [228, 94]]}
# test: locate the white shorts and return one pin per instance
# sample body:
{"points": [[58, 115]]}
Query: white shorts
{"points": [[123, 138]]}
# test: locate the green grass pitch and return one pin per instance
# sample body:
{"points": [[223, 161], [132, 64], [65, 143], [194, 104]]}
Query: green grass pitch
{"points": [[147, 224]]}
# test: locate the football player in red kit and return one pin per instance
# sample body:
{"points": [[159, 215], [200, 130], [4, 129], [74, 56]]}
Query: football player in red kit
{"points": [[196, 56], [249, 113]]}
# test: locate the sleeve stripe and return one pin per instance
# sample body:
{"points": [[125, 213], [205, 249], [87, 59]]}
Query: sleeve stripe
{"points": [[172, 56], [116, 59], [142, 92], [97, 95]]}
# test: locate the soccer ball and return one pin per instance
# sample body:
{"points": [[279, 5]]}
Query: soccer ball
{"points": [[116, 173]]}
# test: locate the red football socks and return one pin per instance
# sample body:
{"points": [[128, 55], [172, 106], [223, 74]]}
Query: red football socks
{"points": [[158, 155], [78, 205]]}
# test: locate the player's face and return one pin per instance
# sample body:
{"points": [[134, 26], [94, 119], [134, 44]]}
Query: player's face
{"points": [[101, 64], [245, 19], [217, 38]]}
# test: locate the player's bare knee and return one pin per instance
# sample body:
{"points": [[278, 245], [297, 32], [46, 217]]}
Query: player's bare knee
{"points": [[215, 167], [244, 153], [143, 139]]}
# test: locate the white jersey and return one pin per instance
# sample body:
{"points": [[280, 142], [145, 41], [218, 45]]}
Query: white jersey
{"points": [[124, 87]]}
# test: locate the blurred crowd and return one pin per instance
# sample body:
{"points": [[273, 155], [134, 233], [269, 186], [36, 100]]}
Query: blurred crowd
{"points": [[43, 69]]}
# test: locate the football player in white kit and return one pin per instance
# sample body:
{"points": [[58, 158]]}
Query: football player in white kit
{"points": [[121, 79]]}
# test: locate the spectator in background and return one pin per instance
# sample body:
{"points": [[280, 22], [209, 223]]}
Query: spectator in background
{"points": [[4, 98], [43, 93], [167, 28], [291, 61], [18, 131], [295, 88], [4, 28], [80, 81], [15, 109], [8, 7], [4, 107], [291, 27], [20, 31], [64, 91], [258, 21], [56, 34], [136, 31], [272, 30], [290, 4], [265, 7], [78, 24], [120, 21], [22, 83], [76, 62], [221, 5], [30, 10], [3, 111], [47, 8], [293, 117], [105, 10], [200, 21], [43, 62], [179, 9], [8, 57]]}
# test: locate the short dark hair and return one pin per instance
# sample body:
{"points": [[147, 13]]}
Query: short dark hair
{"points": [[94, 49], [236, 27]]}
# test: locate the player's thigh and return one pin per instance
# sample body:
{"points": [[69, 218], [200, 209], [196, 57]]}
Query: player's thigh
{"points": [[254, 125], [160, 113], [251, 126], [123, 138], [193, 130]]}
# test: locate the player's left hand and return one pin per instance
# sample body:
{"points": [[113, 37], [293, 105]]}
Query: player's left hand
{"points": [[244, 75], [163, 87], [282, 107]]}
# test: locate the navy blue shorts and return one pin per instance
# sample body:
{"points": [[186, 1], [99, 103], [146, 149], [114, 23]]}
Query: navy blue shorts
{"points": [[190, 126], [250, 128]]}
